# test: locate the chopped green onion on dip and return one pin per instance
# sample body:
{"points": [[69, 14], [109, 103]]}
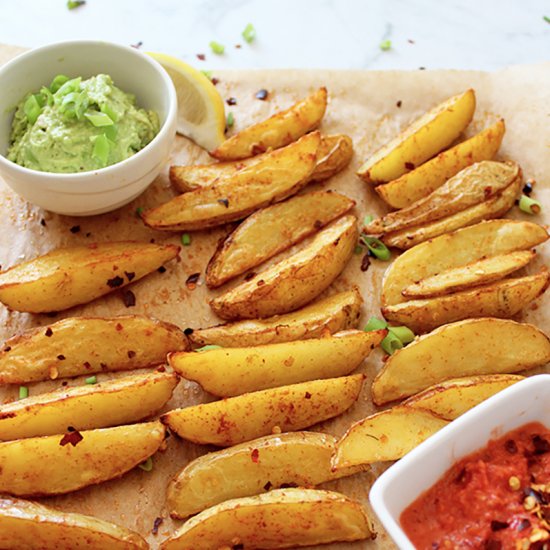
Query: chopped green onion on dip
{"points": [[77, 125]]}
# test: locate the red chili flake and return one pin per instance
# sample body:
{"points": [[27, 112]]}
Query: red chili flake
{"points": [[51, 314], [74, 437], [7, 348], [255, 456], [48, 332], [289, 485], [161, 369], [308, 395], [64, 383], [238, 46], [115, 281], [191, 282], [262, 94], [88, 234], [129, 298], [137, 45], [498, 525], [225, 202], [131, 354], [43, 222], [511, 446], [258, 148], [161, 269], [201, 56], [409, 166], [75, 229], [129, 275], [261, 282], [231, 101], [118, 327], [317, 224], [487, 191], [410, 41], [61, 357], [103, 366], [365, 262], [214, 80], [268, 486], [87, 365], [399, 103], [491, 544], [542, 446], [156, 524], [4, 416], [249, 275], [188, 331]]}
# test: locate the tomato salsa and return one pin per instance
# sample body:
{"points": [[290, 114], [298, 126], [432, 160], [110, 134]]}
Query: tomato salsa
{"points": [[497, 498]]}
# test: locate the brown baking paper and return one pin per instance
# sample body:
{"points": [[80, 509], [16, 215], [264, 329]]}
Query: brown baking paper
{"points": [[363, 105]]}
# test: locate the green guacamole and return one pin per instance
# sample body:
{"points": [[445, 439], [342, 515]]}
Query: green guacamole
{"points": [[77, 125]]}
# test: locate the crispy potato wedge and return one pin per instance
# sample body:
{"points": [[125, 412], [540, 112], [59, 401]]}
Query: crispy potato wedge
{"points": [[67, 277], [333, 155], [234, 371], [337, 312], [463, 349], [252, 415], [294, 281], [388, 435], [277, 131], [299, 458], [28, 525], [284, 518], [272, 230], [109, 403], [278, 176], [462, 247], [424, 138], [477, 273], [420, 182], [57, 464], [76, 346], [501, 299], [452, 398]]}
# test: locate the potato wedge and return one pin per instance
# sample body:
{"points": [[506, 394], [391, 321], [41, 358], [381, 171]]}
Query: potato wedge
{"points": [[272, 230], [252, 415], [300, 458], [234, 371], [278, 176], [67, 277], [76, 346], [109, 403], [388, 435], [462, 247], [333, 155], [452, 398], [420, 182], [57, 464], [294, 281], [501, 299], [477, 273], [277, 131], [285, 518], [463, 349], [31, 526], [424, 138], [338, 312]]}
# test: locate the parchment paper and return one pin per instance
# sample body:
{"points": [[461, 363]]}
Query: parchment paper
{"points": [[363, 105]]}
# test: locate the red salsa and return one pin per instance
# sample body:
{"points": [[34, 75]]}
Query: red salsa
{"points": [[497, 498]]}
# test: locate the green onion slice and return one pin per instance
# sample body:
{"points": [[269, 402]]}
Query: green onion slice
{"points": [[230, 120], [23, 392], [385, 45], [73, 4], [377, 247], [217, 48], [375, 324], [102, 148], [186, 239], [391, 343], [405, 334], [57, 82], [147, 465], [529, 205], [32, 108], [109, 111], [367, 219], [99, 119], [208, 347], [249, 33], [91, 380], [72, 85]]}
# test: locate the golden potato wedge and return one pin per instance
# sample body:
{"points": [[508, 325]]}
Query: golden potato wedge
{"points": [[294, 281], [278, 176], [109, 403], [272, 230], [57, 464], [420, 182], [462, 247], [338, 312], [501, 299], [452, 398], [31, 526], [300, 458], [477, 273], [333, 155], [234, 371], [76, 346], [277, 131], [388, 435], [67, 277], [284, 518], [424, 138], [466, 348], [252, 415]]}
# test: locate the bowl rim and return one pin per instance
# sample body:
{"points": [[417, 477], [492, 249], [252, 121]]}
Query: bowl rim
{"points": [[171, 114]]}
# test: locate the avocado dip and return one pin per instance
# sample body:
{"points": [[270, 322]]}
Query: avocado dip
{"points": [[77, 125]]}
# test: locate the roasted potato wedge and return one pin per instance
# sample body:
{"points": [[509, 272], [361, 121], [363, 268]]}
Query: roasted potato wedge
{"points": [[109, 403], [477, 273], [234, 371], [277, 131], [299, 458], [333, 155], [272, 230], [57, 464], [67, 277], [337, 312], [30, 526], [420, 182], [252, 415], [452, 398], [424, 138], [388, 435], [463, 349], [294, 281], [278, 176], [462, 247], [76, 346], [285, 518]]}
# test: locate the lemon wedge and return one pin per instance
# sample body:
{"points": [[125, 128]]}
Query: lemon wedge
{"points": [[201, 112]]}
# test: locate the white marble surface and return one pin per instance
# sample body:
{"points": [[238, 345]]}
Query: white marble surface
{"points": [[476, 34]]}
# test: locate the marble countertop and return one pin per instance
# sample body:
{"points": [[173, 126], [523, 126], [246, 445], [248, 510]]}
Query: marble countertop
{"points": [[346, 34]]}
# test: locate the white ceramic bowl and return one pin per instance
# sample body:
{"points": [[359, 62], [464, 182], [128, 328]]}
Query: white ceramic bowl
{"points": [[524, 402], [93, 192]]}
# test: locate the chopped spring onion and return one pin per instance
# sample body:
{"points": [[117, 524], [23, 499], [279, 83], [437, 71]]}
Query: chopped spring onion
{"points": [[546, 18], [217, 48], [385, 45], [405, 334], [391, 343], [207, 74], [230, 120], [249, 33], [208, 347], [99, 119], [32, 108], [529, 205], [367, 219], [396, 338], [57, 82], [186, 239], [147, 465], [109, 111], [139, 211], [69, 86], [72, 4], [23, 392], [375, 324], [47, 95], [377, 247], [110, 132], [102, 148], [91, 380]]}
